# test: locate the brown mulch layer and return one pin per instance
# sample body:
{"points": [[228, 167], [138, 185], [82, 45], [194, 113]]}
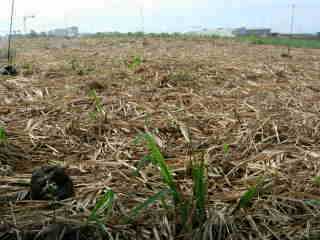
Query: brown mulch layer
{"points": [[264, 107]]}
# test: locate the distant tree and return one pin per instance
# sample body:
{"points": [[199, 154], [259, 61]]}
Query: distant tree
{"points": [[100, 34], [33, 33], [139, 34], [176, 34], [43, 34], [115, 33], [164, 34]]}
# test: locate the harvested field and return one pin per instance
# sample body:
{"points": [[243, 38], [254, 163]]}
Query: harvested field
{"points": [[247, 110]]}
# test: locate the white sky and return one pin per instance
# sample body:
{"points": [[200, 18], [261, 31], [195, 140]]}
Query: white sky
{"points": [[175, 15]]}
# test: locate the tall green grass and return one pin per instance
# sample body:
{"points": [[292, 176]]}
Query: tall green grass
{"points": [[187, 211], [190, 212], [200, 188]]}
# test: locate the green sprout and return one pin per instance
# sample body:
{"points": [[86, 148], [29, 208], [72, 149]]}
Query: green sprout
{"points": [[3, 135], [137, 61], [189, 212], [251, 193], [98, 107], [102, 209], [226, 148], [316, 180]]}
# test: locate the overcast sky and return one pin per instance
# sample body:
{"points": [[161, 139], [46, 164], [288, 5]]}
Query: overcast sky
{"points": [[162, 15]]}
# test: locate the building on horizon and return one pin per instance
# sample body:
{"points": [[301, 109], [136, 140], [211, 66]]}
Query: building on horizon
{"points": [[221, 32], [259, 32], [233, 32], [64, 32]]}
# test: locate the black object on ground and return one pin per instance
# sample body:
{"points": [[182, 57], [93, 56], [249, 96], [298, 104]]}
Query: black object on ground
{"points": [[51, 232], [286, 55], [51, 183], [9, 70]]}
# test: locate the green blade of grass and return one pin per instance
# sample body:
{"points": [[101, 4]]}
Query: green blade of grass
{"points": [[92, 94], [316, 180], [3, 135], [200, 190], [226, 148], [312, 202], [165, 172], [248, 196], [134, 213], [103, 205]]}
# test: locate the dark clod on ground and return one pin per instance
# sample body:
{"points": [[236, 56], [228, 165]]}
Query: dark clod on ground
{"points": [[51, 182], [9, 70], [95, 85], [51, 232], [286, 55]]}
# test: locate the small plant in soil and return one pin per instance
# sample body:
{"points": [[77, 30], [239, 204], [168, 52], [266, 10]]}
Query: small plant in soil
{"points": [[135, 62], [226, 148], [316, 180], [247, 198], [3, 135], [190, 212], [102, 209], [98, 107], [28, 69], [79, 68]]}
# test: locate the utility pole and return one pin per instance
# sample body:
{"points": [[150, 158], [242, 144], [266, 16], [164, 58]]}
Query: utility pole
{"points": [[293, 7], [10, 34], [142, 26], [10, 69]]}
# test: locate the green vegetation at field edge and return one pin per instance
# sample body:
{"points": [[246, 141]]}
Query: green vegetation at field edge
{"points": [[298, 43]]}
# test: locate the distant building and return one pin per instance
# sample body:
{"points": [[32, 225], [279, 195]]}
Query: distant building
{"points": [[74, 31], [221, 32], [240, 31], [64, 32], [259, 32], [233, 32]]}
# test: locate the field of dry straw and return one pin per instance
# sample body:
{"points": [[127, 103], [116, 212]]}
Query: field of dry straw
{"points": [[249, 112]]}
